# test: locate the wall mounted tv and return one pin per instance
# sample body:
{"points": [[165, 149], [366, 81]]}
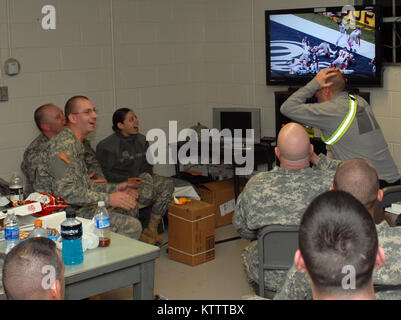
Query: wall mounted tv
{"points": [[300, 42]]}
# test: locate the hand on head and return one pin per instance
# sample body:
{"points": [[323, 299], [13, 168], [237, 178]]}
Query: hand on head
{"points": [[324, 76]]}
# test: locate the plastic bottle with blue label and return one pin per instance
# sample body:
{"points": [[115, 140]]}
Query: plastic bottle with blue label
{"points": [[102, 224], [11, 230], [71, 234]]}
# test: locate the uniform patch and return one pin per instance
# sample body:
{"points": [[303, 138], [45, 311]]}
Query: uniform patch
{"points": [[65, 157]]}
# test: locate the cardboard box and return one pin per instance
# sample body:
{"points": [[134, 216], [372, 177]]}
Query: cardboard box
{"points": [[191, 232], [221, 195]]}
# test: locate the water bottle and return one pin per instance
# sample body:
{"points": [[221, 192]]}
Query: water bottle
{"points": [[16, 188], [11, 230], [71, 234], [38, 231], [102, 223]]}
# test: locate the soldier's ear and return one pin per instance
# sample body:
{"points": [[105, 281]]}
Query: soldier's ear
{"points": [[380, 258], [277, 152], [119, 125], [380, 195], [299, 262]]}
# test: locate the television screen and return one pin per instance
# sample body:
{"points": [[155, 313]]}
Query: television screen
{"points": [[301, 42]]}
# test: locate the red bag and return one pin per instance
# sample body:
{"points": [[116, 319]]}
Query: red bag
{"points": [[49, 204]]}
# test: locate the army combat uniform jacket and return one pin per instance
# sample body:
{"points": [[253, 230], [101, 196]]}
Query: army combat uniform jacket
{"points": [[31, 160], [62, 172], [279, 196], [387, 279], [125, 157]]}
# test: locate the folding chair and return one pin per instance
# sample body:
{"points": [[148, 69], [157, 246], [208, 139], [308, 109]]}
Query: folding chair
{"points": [[276, 248], [390, 194]]}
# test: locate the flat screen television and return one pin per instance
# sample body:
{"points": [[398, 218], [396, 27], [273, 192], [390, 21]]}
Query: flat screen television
{"points": [[238, 118], [300, 42]]}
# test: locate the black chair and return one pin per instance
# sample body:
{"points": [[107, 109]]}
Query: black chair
{"points": [[276, 248], [390, 194]]}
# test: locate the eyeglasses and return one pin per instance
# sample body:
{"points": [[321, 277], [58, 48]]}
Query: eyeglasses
{"points": [[87, 112]]}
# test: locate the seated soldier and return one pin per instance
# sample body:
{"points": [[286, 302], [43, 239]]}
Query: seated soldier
{"points": [[34, 270], [338, 248], [359, 178], [280, 196], [122, 156], [62, 172], [50, 120]]}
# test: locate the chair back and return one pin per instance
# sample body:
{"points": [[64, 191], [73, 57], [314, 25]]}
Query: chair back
{"points": [[276, 248], [390, 194]]}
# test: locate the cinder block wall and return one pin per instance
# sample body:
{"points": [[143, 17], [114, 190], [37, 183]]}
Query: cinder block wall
{"points": [[166, 59]]}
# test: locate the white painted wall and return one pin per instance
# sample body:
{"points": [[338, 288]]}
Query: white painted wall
{"points": [[166, 59]]}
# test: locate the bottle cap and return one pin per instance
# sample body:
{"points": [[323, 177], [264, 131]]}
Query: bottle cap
{"points": [[37, 223], [70, 213], [100, 204]]}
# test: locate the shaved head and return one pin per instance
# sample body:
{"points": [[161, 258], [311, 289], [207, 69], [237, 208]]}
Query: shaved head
{"points": [[293, 143], [359, 178]]}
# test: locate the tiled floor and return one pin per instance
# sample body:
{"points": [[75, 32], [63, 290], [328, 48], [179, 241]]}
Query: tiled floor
{"points": [[219, 279]]}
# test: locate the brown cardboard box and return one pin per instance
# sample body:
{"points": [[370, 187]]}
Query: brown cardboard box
{"points": [[191, 232], [221, 195]]}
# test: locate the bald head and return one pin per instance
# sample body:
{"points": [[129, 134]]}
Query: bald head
{"points": [[359, 178], [293, 144], [49, 119]]}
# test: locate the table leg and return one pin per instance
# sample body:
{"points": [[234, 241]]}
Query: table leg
{"points": [[144, 290]]}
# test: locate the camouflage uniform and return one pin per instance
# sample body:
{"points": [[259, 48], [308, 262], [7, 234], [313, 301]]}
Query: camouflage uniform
{"points": [[62, 172], [31, 159], [279, 196], [387, 279], [125, 157]]}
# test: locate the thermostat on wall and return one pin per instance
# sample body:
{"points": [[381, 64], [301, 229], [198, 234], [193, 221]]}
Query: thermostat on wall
{"points": [[12, 67]]}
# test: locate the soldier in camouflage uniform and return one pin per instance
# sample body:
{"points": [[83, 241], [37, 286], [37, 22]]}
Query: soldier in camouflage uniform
{"points": [[50, 120], [122, 156], [338, 247], [62, 172], [280, 196], [354, 174]]}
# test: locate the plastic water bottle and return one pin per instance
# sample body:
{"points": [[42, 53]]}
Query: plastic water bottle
{"points": [[38, 231], [102, 223], [71, 234], [16, 188], [11, 230]]}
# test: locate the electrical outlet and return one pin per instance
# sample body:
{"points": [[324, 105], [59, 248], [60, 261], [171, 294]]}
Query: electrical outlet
{"points": [[3, 93]]}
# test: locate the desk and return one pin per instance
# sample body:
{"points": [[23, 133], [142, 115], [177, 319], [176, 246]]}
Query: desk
{"points": [[262, 153], [124, 262]]}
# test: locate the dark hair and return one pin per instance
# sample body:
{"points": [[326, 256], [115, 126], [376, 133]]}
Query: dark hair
{"points": [[119, 116], [337, 231], [71, 105], [22, 270], [39, 113]]}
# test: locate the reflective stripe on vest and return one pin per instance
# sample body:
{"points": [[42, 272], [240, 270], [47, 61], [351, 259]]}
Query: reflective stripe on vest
{"points": [[345, 124]]}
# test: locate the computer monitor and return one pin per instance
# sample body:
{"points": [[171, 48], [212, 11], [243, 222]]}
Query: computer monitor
{"points": [[238, 118]]}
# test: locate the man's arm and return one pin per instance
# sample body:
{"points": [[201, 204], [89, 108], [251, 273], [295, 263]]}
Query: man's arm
{"points": [[240, 219], [322, 162], [318, 115]]}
